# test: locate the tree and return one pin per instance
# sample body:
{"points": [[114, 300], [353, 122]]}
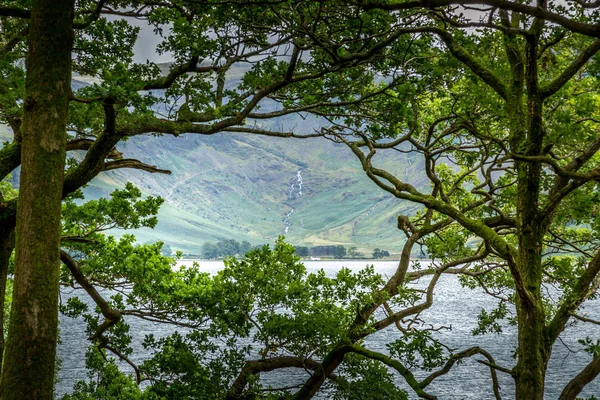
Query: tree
{"points": [[339, 251], [377, 254], [248, 293], [245, 247], [228, 248], [302, 251], [508, 144], [209, 251], [7, 234], [502, 210], [48, 118], [353, 253], [31, 344]]}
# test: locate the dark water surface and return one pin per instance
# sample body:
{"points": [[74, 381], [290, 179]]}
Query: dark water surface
{"points": [[453, 306]]}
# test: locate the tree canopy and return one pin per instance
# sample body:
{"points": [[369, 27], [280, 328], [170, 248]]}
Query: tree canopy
{"points": [[264, 46], [508, 140], [497, 97]]}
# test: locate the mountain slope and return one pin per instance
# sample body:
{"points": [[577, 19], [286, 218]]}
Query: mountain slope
{"points": [[254, 188], [244, 187]]}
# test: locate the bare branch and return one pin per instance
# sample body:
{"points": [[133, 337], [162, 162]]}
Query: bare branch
{"points": [[255, 367], [576, 385], [135, 164]]}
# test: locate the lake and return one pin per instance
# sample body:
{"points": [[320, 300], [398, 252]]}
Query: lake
{"points": [[453, 306]]}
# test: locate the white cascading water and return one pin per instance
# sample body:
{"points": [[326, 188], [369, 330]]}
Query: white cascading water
{"points": [[294, 193]]}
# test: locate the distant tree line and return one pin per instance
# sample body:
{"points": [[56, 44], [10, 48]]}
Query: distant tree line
{"points": [[233, 248], [337, 251], [225, 248]]}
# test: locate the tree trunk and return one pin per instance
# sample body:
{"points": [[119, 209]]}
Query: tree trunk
{"points": [[530, 370], [6, 247], [30, 354], [533, 353]]}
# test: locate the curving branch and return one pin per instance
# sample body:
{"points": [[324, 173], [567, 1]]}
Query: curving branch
{"points": [[265, 132], [138, 372], [10, 158], [405, 191], [419, 387], [585, 286], [562, 172], [93, 16], [111, 315], [331, 361], [466, 58], [135, 164], [86, 144], [576, 385], [396, 365], [563, 185], [255, 367], [12, 43], [534, 11], [571, 70], [416, 309]]}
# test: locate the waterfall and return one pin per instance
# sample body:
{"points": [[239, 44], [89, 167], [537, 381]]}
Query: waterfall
{"points": [[296, 187], [287, 220], [294, 193], [299, 182]]}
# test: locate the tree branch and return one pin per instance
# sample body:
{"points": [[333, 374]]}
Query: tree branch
{"points": [[86, 144], [570, 71], [112, 316], [14, 12], [396, 365], [576, 385], [580, 292], [559, 19], [255, 367], [135, 164]]}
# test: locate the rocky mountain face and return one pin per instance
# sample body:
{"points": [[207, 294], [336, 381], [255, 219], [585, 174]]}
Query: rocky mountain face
{"points": [[245, 187]]}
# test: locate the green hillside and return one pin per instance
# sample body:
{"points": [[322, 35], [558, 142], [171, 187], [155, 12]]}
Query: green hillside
{"points": [[243, 187], [238, 186]]}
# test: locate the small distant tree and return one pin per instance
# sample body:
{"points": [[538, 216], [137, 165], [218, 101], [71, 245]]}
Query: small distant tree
{"points": [[339, 251], [302, 251], [245, 247], [209, 251], [353, 253], [377, 253]]}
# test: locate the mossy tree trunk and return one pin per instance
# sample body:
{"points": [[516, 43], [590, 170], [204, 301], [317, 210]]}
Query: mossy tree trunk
{"points": [[30, 354], [6, 247]]}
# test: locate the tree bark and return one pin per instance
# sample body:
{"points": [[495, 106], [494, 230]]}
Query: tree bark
{"points": [[7, 244], [30, 355], [533, 352], [329, 364]]}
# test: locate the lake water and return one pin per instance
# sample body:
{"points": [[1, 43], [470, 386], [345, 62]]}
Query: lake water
{"points": [[453, 306]]}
